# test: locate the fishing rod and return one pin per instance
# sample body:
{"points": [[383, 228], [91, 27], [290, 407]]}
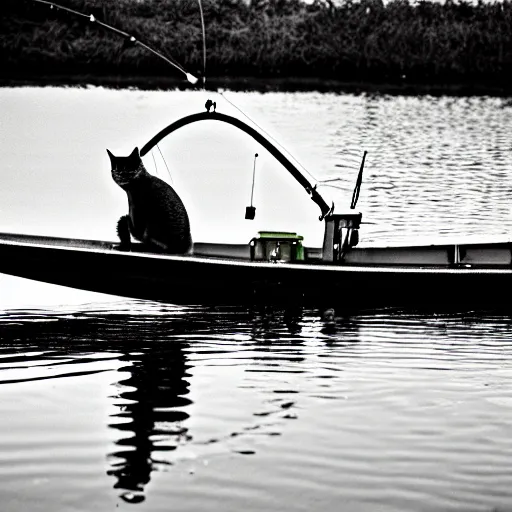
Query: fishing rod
{"points": [[357, 189], [204, 41], [128, 37]]}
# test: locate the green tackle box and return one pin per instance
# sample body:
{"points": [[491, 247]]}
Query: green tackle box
{"points": [[277, 246]]}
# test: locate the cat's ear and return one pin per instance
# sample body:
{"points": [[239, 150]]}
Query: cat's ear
{"points": [[112, 158], [135, 153]]}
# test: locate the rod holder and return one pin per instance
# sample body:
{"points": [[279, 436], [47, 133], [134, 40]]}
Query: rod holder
{"points": [[341, 233]]}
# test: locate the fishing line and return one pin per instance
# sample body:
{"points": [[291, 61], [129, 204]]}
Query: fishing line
{"points": [[154, 162], [270, 136], [191, 78], [253, 177], [167, 167]]}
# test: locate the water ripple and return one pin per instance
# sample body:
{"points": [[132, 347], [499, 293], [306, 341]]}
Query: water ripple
{"points": [[435, 165], [399, 407]]}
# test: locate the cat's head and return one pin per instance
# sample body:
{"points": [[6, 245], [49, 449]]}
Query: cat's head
{"points": [[126, 168]]}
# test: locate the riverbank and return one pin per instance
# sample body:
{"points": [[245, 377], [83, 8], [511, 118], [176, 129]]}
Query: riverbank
{"points": [[397, 47], [290, 84]]}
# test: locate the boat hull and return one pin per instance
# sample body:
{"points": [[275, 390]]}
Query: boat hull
{"points": [[98, 267]]}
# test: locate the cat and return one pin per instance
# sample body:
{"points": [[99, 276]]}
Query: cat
{"points": [[157, 216]]}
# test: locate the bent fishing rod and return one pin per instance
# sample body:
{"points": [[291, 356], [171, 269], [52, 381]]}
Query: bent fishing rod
{"points": [[128, 37]]}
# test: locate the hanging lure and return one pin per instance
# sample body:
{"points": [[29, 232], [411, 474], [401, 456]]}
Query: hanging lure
{"points": [[250, 211]]}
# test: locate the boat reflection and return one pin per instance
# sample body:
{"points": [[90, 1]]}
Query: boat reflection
{"points": [[152, 403], [269, 321], [150, 399], [151, 410]]}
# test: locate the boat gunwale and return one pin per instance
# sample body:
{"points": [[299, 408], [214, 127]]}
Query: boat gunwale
{"points": [[277, 265]]}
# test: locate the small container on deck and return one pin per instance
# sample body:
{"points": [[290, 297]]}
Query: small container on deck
{"points": [[277, 246]]}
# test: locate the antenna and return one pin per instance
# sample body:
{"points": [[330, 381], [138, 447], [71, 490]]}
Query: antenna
{"points": [[357, 188]]}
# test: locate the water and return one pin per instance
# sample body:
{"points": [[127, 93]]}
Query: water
{"points": [[264, 409], [110, 403]]}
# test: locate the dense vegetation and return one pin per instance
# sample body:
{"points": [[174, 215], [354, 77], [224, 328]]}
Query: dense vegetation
{"points": [[366, 41]]}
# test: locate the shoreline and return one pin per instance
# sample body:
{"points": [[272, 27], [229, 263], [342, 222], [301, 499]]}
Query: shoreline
{"points": [[258, 84]]}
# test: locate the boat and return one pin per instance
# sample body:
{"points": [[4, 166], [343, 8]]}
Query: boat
{"points": [[273, 267]]}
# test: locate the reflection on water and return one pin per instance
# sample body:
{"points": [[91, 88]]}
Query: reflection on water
{"points": [[150, 396], [151, 402], [182, 407]]}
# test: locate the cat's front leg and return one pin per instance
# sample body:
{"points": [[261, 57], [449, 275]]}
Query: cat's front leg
{"points": [[123, 232]]}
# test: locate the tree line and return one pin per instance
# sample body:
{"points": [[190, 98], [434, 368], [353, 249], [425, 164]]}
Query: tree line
{"points": [[365, 41]]}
